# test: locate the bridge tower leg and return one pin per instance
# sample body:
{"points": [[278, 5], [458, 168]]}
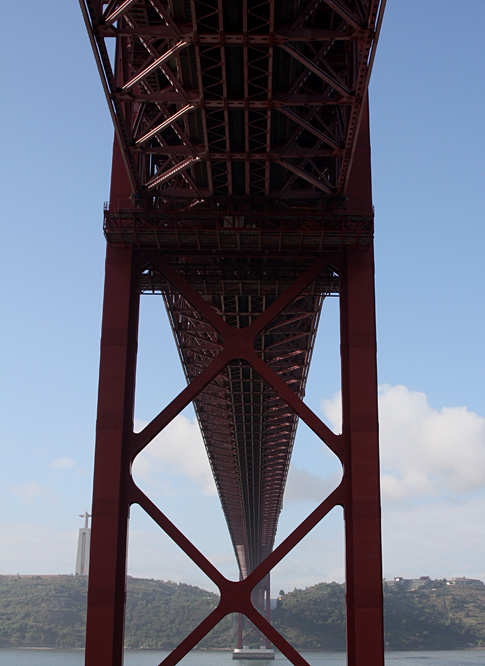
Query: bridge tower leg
{"points": [[365, 640], [116, 393], [361, 507]]}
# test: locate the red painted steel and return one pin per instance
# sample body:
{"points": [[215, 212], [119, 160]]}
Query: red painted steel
{"points": [[261, 601], [236, 103], [240, 193], [360, 433], [107, 573]]}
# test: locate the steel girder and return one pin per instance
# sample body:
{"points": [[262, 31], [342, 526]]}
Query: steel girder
{"points": [[253, 103]]}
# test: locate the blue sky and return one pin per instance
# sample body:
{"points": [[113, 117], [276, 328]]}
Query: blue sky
{"points": [[427, 100]]}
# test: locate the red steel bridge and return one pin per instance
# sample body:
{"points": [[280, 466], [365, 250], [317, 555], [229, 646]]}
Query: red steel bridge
{"points": [[240, 193]]}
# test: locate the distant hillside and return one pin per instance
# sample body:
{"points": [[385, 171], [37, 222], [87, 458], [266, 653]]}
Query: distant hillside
{"points": [[444, 617], [42, 611], [50, 611], [160, 615]]}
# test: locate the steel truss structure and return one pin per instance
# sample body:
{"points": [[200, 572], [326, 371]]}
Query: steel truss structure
{"points": [[241, 194]]}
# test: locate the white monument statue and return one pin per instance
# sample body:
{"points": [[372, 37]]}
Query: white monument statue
{"points": [[83, 544]]}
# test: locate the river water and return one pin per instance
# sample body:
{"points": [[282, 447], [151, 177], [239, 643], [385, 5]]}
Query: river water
{"points": [[34, 657]]}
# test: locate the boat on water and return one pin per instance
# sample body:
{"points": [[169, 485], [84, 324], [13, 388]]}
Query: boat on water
{"points": [[253, 653]]}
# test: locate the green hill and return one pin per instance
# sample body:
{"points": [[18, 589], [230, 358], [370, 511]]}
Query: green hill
{"points": [[42, 611], [50, 611], [444, 617]]}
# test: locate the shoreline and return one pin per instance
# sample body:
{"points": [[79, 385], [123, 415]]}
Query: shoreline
{"points": [[313, 650]]}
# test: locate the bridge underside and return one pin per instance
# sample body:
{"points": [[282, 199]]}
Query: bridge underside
{"points": [[241, 194]]}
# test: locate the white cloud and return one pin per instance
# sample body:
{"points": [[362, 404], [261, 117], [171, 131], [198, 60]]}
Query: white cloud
{"points": [[432, 474], [424, 451], [332, 409], [178, 449], [433, 483], [62, 463], [430, 450], [31, 492]]}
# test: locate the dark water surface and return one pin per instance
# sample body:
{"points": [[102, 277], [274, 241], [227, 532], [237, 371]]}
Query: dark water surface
{"points": [[22, 657]]}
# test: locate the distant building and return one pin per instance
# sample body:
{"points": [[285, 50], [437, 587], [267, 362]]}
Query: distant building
{"points": [[83, 545], [410, 584], [465, 582]]}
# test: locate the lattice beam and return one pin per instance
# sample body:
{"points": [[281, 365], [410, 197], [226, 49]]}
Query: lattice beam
{"points": [[224, 76]]}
